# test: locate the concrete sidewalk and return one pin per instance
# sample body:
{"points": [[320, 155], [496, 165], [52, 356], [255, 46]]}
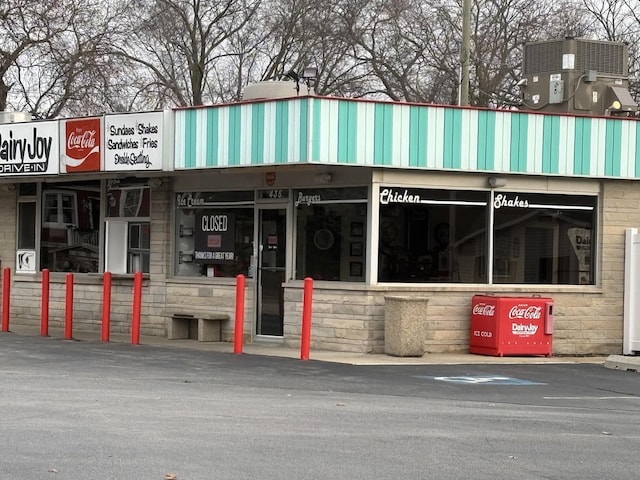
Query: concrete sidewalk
{"points": [[277, 350]]}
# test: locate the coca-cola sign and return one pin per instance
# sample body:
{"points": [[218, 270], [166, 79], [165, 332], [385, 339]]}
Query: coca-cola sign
{"points": [[82, 145], [484, 310], [525, 312]]}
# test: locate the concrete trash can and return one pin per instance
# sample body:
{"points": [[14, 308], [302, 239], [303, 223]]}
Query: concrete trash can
{"points": [[405, 325]]}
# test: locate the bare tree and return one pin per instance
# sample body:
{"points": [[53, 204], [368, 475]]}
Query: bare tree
{"points": [[180, 43], [54, 55], [26, 26], [619, 21]]}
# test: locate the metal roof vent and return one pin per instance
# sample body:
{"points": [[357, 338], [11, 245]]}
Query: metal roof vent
{"points": [[14, 117]]}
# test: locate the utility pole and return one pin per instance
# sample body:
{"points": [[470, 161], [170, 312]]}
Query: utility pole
{"points": [[465, 53]]}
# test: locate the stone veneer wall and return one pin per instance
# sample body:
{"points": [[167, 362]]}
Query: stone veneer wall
{"points": [[8, 228], [353, 321], [160, 297], [588, 320], [87, 304]]}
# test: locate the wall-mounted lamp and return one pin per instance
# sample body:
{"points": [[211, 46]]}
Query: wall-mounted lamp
{"points": [[155, 182], [497, 182], [324, 178]]}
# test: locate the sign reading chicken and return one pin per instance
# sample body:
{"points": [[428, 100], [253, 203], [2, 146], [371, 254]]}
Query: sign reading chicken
{"points": [[81, 140]]}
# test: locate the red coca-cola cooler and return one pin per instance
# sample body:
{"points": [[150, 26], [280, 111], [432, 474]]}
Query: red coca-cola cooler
{"points": [[511, 325]]}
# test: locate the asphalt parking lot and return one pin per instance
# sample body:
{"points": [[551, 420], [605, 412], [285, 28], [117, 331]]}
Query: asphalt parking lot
{"points": [[87, 410]]}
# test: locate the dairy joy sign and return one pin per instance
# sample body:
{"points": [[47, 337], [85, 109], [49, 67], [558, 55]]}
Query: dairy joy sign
{"points": [[133, 142], [81, 145], [29, 148]]}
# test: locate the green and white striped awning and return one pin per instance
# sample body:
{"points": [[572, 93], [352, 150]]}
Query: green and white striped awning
{"points": [[355, 132]]}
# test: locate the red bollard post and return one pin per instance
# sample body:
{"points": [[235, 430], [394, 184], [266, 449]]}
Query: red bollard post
{"points": [[44, 308], [106, 306], [305, 341], [68, 316], [6, 298], [137, 305], [238, 330]]}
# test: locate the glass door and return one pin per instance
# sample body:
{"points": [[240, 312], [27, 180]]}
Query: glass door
{"points": [[271, 271]]}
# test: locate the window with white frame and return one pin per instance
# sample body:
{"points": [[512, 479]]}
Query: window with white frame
{"points": [[69, 240], [449, 236], [128, 227]]}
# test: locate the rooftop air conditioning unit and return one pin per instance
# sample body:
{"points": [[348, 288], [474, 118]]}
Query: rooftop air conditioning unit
{"points": [[577, 76], [270, 89], [14, 117]]}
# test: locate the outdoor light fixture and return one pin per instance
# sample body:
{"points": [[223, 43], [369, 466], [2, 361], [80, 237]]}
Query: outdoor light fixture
{"points": [[155, 182], [324, 178], [308, 77], [496, 182], [309, 73]]}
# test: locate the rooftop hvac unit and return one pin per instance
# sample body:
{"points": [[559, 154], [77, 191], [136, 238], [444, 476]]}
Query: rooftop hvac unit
{"points": [[273, 89], [577, 76], [14, 117]]}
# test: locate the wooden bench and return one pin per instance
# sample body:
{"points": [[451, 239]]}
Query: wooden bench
{"points": [[204, 328]]}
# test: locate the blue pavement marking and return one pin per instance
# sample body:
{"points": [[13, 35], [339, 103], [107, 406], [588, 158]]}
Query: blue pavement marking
{"points": [[483, 380]]}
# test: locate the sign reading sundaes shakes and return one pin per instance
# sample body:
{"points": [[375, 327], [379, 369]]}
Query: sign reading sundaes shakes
{"points": [[133, 142], [29, 148]]}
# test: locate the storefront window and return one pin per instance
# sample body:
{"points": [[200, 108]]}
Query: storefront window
{"points": [[441, 236], [214, 233], [70, 227], [543, 239], [128, 223], [331, 234], [432, 236]]}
